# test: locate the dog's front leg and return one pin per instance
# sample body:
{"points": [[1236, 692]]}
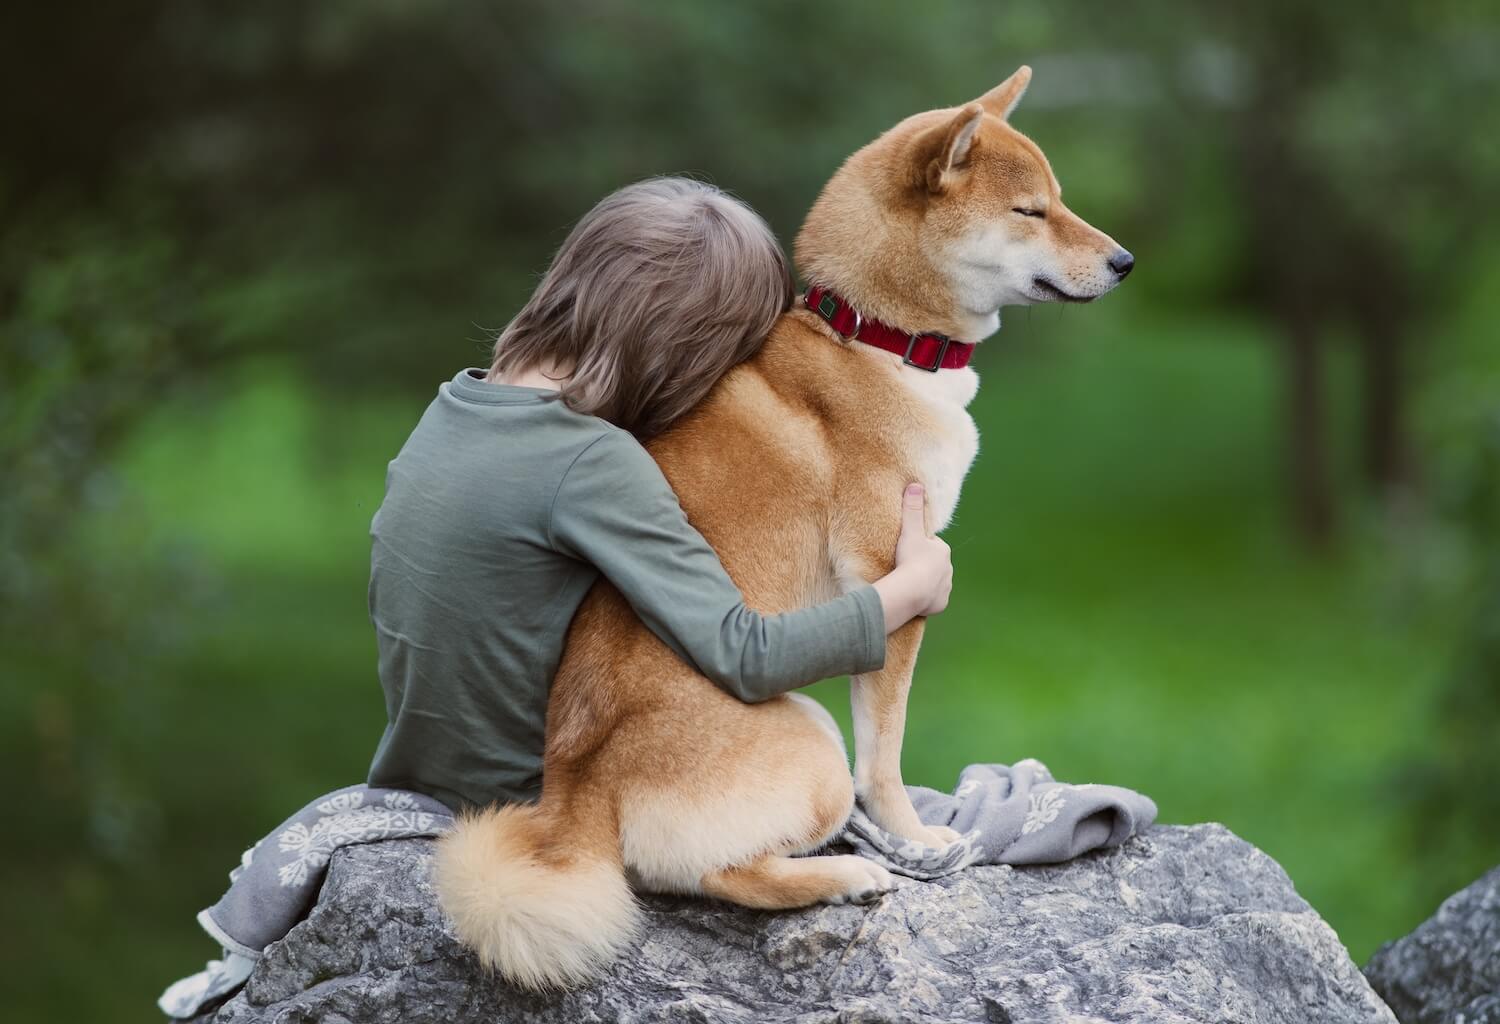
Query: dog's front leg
{"points": [[879, 705]]}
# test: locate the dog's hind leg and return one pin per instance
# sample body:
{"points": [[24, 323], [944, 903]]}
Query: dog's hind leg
{"points": [[771, 882], [819, 714], [743, 781]]}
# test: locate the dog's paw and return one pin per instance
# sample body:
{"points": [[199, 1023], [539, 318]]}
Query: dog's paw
{"points": [[865, 881], [944, 835], [934, 836], [881, 882]]}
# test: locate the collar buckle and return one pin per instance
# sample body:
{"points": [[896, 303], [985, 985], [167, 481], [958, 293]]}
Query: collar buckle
{"points": [[937, 362]]}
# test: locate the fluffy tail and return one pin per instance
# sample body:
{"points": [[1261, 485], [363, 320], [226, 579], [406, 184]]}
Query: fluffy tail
{"points": [[543, 914]]}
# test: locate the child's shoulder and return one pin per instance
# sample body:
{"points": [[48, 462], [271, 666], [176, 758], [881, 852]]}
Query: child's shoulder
{"points": [[582, 432], [608, 447], [613, 466]]}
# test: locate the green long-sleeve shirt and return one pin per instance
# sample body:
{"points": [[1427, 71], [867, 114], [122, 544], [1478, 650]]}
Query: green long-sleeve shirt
{"points": [[501, 510]]}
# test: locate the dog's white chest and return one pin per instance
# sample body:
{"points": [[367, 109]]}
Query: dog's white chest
{"points": [[942, 456]]}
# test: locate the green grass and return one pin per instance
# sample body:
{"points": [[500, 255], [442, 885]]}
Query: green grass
{"points": [[1127, 609]]}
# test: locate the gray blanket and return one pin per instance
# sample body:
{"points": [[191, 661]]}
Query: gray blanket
{"points": [[278, 879], [1007, 815]]}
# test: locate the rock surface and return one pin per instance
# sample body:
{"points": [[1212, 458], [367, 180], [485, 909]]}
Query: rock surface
{"points": [[1448, 970], [1181, 925]]}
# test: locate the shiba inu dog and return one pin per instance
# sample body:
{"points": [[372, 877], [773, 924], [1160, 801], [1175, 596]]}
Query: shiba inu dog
{"points": [[654, 777]]}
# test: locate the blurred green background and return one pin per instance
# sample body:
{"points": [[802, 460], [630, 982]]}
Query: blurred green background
{"points": [[1231, 538]]}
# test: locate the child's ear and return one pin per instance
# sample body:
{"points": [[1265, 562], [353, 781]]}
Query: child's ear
{"points": [[945, 149], [1002, 99]]}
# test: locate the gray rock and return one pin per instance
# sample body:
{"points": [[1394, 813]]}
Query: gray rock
{"points": [[1182, 925], [1448, 970]]}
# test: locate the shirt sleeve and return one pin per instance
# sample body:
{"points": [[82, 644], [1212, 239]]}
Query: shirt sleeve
{"points": [[615, 510]]}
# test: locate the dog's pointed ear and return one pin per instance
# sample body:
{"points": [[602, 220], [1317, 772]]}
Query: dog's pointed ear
{"points": [[949, 145], [1002, 99]]}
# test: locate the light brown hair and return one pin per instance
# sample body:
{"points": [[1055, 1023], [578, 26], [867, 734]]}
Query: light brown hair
{"points": [[657, 292]]}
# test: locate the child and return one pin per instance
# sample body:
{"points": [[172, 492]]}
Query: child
{"points": [[520, 486]]}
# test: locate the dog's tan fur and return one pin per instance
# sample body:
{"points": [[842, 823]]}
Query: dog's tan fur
{"points": [[791, 469]]}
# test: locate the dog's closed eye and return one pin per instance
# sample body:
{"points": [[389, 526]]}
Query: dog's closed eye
{"points": [[1027, 212]]}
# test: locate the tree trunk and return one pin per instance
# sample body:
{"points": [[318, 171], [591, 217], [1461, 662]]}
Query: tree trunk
{"points": [[1386, 459]]}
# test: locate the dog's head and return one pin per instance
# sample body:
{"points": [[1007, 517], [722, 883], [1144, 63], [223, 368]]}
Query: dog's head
{"points": [[951, 215]]}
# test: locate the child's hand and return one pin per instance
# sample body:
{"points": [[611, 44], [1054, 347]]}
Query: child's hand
{"points": [[923, 577]]}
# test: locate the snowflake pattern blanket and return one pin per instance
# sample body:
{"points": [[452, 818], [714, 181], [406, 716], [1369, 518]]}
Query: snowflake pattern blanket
{"points": [[1006, 814], [278, 879], [1015, 814]]}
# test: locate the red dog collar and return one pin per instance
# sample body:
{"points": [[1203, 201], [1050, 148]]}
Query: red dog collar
{"points": [[931, 352]]}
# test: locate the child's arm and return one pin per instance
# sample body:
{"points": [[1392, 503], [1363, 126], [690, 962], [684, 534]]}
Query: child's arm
{"points": [[615, 510]]}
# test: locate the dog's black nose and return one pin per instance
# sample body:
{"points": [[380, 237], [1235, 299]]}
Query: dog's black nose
{"points": [[1122, 262]]}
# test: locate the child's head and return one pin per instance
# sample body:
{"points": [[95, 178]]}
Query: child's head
{"points": [[655, 294]]}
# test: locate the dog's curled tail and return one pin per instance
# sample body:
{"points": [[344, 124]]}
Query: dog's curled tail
{"points": [[542, 914]]}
